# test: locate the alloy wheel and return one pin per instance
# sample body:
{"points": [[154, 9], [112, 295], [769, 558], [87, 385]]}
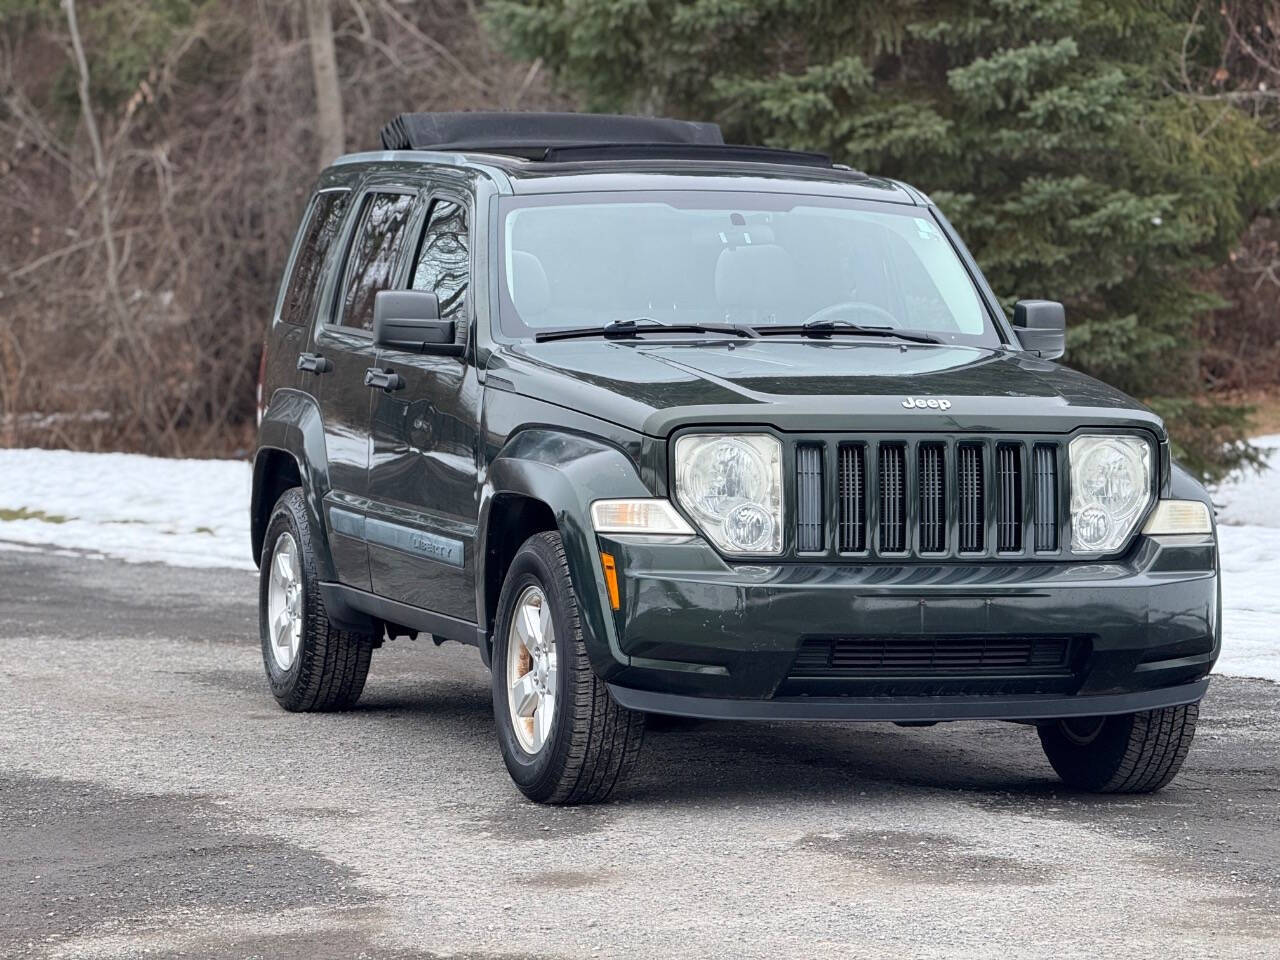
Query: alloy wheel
{"points": [[531, 669], [284, 602]]}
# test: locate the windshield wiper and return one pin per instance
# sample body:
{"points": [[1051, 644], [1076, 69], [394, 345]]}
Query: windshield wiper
{"points": [[626, 329], [826, 328]]}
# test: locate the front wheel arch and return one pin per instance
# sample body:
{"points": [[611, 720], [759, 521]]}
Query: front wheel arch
{"points": [[564, 473], [513, 519], [274, 472]]}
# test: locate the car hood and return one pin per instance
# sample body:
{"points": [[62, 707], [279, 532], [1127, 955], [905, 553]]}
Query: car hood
{"points": [[824, 385]]}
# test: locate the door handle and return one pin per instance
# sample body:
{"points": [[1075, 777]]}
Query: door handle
{"points": [[376, 378], [314, 363]]}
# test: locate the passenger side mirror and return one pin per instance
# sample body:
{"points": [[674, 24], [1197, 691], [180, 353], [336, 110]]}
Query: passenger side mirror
{"points": [[1041, 326], [410, 320]]}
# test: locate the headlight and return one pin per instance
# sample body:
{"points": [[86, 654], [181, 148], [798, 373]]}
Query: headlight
{"points": [[733, 487], [1110, 488]]}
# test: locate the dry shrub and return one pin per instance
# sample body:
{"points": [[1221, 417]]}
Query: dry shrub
{"points": [[1241, 343], [134, 291], [1241, 350]]}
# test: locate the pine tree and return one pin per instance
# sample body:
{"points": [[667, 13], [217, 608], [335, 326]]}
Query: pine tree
{"points": [[1058, 135]]}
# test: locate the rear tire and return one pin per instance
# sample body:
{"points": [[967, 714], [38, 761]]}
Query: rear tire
{"points": [[1130, 753], [588, 744], [311, 664]]}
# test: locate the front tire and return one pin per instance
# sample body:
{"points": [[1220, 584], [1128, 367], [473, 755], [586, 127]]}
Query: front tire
{"points": [[564, 739], [1131, 753], [311, 664]]}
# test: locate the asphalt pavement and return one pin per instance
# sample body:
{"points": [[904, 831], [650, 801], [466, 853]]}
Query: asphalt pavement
{"points": [[154, 801]]}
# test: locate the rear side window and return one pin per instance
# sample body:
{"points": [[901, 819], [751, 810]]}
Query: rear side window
{"points": [[371, 260], [323, 220]]}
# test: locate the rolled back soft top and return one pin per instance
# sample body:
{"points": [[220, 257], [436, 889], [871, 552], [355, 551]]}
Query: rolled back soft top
{"points": [[535, 132]]}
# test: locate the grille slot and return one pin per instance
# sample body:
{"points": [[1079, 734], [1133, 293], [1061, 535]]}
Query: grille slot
{"points": [[853, 500], [1045, 467], [933, 656], [933, 504], [972, 512], [893, 498], [809, 497], [1009, 505]]}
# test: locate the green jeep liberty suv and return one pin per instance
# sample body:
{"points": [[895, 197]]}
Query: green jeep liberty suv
{"points": [[667, 426]]}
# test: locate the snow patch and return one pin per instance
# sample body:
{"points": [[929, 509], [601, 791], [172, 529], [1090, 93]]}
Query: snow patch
{"points": [[188, 513], [195, 513], [1248, 508]]}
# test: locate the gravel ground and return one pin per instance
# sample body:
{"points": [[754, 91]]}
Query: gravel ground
{"points": [[154, 800]]}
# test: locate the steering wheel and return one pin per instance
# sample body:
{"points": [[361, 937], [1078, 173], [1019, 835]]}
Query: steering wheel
{"points": [[834, 310]]}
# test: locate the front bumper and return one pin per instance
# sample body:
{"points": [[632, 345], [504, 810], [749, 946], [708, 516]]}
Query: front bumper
{"points": [[909, 709], [696, 636]]}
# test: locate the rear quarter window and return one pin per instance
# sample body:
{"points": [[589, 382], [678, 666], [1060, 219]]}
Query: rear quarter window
{"points": [[319, 228]]}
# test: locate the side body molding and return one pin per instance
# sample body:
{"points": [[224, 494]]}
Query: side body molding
{"points": [[566, 472], [292, 424]]}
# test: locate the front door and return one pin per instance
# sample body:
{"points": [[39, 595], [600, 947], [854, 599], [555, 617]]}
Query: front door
{"points": [[344, 346], [423, 494]]}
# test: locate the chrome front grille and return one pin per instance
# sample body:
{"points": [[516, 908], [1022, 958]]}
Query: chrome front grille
{"points": [[926, 496]]}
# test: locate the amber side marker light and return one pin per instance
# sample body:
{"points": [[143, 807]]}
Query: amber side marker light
{"points": [[611, 578]]}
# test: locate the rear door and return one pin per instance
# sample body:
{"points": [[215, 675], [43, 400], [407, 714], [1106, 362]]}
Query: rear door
{"points": [[423, 486], [344, 346], [306, 274]]}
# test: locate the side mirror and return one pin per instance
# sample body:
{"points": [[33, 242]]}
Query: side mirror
{"points": [[1041, 326], [410, 320]]}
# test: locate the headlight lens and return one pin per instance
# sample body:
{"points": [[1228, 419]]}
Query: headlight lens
{"points": [[733, 487], [1110, 488]]}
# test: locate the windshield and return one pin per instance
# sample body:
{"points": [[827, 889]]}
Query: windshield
{"points": [[583, 260]]}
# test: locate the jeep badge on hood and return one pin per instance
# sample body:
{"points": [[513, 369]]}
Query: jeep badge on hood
{"points": [[919, 403]]}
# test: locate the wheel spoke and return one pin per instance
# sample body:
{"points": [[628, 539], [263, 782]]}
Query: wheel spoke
{"points": [[551, 677], [524, 695], [282, 627], [528, 627], [545, 630], [542, 721], [283, 567]]}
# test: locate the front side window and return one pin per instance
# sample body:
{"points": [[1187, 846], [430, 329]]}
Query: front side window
{"points": [[443, 263], [577, 260], [323, 220], [371, 259]]}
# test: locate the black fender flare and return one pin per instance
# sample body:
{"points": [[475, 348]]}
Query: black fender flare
{"points": [[292, 424], [1183, 485], [567, 472]]}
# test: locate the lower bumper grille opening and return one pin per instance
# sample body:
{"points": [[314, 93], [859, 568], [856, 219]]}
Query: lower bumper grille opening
{"points": [[936, 665]]}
